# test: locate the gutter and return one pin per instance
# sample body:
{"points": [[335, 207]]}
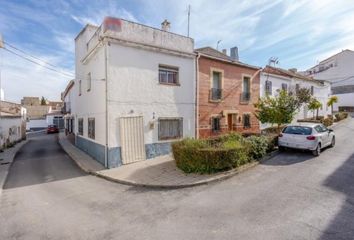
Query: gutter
{"points": [[106, 105], [197, 98]]}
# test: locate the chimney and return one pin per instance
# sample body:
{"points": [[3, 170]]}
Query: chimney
{"points": [[165, 25], [293, 70], [234, 53], [224, 51]]}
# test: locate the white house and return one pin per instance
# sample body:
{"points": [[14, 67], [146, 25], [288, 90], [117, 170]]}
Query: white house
{"points": [[338, 69], [273, 80], [68, 99], [134, 91]]}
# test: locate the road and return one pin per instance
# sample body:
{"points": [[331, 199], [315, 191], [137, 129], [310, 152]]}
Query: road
{"points": [[292, 196]]}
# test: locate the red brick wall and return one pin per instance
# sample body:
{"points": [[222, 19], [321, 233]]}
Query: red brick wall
{"points": [[232, 89]]}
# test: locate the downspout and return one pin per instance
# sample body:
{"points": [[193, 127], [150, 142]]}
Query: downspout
{"points": [[197, 97], [106, 105]]}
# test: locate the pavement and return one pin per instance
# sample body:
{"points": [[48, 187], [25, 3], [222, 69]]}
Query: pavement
{"points": [[159, 172], [292, 196]]}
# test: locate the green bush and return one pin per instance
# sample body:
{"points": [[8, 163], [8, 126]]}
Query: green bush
{"points": [[258, 146], [327, 122], [341, 115], [199, 156]]}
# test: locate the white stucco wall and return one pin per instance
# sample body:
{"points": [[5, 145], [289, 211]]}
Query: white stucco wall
{"points": [[346, 99], [134, 89], [36, 123], [14, 134], [321, 93]]}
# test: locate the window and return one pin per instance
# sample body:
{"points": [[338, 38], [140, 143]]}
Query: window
{"points": [[298, 130], [91, 128], [268, 87], [284, 87], [312, 90], [168, 75], [216, 90], [215, 124], [246, 84], [170, 128], [297, 88], [89, 81], [246, 120], [79, 87], [80, 125]]}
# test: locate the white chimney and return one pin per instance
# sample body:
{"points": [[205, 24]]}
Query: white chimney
{"points": [[234, 53], [165, 25]]}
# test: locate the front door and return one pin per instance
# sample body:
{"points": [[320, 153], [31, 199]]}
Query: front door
{"points": [[132, 139], [230, 122]]}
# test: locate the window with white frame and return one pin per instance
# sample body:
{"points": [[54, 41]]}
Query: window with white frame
{"points": [[89, 81], [297, 88], [268, 87], [312, 90], [80, 126], [168, 75], [91, 128], [284, 87], [170, 128]]}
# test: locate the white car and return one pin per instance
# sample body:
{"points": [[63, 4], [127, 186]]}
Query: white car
{"points": [[306, 136]]}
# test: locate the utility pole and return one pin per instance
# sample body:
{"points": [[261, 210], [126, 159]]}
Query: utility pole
{"points": [[189, 17], [217, 44], [1, 46]]}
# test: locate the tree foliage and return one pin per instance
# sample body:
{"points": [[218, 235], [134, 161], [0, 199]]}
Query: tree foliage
{"points": [[303, 95], [277, 110], [314, 105], [331, 101]]}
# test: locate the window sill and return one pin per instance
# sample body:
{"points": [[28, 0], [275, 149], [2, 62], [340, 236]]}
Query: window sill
{"points": [[215, 101], [170, 84]]}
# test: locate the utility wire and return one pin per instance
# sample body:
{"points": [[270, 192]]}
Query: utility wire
{"points": [[32, 61], [47, 63]]}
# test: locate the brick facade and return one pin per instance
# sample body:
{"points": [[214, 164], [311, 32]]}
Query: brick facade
{"points": [[230, 109]]}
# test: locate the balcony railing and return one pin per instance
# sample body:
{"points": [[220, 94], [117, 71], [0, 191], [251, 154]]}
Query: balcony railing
{"points": [[215, 94], [245, 97]]}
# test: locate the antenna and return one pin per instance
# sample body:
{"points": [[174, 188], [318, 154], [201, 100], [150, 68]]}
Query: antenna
{"points": [[189, 15], [217, 44], [273, 60]]}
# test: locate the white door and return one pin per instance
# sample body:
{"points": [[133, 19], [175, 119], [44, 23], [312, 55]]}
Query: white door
{"points": [[132, 139]]}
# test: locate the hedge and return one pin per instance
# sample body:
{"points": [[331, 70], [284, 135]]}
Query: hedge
{"points": [[341, 115]]}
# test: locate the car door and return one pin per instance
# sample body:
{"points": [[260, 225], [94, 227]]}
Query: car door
{"points": [[327, 134], [321, 134]]}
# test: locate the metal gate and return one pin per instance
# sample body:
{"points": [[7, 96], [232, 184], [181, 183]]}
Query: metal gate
{"points": [[132, 139]]}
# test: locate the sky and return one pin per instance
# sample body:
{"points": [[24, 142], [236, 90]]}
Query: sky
{"points": [[298, 32]]}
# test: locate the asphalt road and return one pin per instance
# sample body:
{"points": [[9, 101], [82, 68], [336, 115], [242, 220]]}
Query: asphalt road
{"points": [[292, 196]]}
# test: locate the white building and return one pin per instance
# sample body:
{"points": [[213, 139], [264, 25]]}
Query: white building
{"points": [[339, 70], [68, 97], [134, 91], [273, 80]]}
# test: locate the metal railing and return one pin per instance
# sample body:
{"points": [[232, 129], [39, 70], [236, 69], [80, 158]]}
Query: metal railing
{"points": [[215, 94], [245, 97]]}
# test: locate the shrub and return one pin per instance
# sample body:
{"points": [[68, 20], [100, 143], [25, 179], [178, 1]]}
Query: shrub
{"points": [[341, 115], [327, 122], [258, 146], [200, 157]]}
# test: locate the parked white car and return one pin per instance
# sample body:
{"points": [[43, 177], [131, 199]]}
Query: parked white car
{"points": [[306, 136]]}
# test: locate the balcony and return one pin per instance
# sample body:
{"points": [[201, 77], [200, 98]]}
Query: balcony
{"points": [[215, 94], [245, 97]]}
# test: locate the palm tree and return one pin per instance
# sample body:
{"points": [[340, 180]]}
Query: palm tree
{"points": [[314, 105], [332, 100]]}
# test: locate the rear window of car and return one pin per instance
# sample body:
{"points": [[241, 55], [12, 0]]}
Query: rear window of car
{"points": [[52, 126], [299, 130]]}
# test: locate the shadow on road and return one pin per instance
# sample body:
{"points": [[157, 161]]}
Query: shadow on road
{"points": [[41, 160], [342, 180], [289, 157]]}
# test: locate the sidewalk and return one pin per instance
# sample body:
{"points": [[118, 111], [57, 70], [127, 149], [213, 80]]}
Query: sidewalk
{"points": [[160, 172], [6, 159]]}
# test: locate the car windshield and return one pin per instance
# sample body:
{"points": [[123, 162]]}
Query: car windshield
{"points": [[52, 126], [299, 130]]}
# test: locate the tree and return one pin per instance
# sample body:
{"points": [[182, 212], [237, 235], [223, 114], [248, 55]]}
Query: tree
{"points": [[43, 101], [332, 100], [303, 95], [277, 110], [314, 105]]}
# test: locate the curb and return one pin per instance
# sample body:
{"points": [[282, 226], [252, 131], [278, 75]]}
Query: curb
{"points": [[2, 181], [341, 122], [221, 177]]}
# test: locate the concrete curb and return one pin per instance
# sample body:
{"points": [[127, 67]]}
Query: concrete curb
{"points": [[12, 156], [221, 177], [341, 122]]}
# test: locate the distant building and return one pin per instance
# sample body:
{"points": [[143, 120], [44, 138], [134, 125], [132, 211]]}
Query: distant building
{"points": [[227, 92], [339, 70], [134, 91], [274, 79]]}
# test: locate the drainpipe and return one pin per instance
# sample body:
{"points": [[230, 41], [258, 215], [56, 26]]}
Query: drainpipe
{"points": [[197, 98], [106, 104]]}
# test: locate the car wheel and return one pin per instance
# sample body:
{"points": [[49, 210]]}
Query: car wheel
{"points": [[317, 151], [333, 142]]}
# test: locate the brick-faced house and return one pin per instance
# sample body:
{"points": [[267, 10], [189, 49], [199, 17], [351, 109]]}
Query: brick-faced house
{"points": [[226, 92]]}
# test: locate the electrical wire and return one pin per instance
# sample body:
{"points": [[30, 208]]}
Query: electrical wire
{"points": [[32, 61]]}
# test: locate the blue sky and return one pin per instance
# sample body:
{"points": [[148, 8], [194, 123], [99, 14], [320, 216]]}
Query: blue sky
{"points": [[299, 33]]}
